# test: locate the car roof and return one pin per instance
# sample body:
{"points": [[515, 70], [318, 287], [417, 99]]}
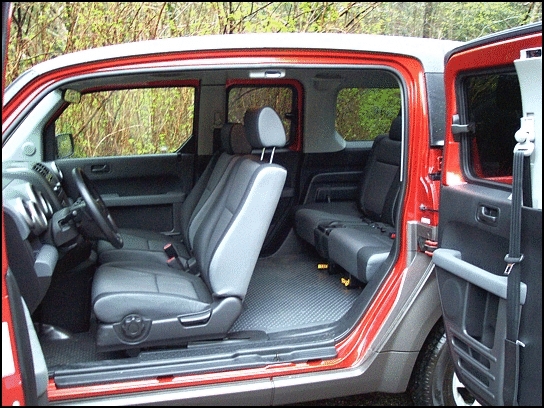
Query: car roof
{"points": [[426, 50]]}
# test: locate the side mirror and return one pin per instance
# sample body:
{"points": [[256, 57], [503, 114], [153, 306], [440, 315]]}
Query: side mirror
{"points": [[72, 96], [65, 145]]}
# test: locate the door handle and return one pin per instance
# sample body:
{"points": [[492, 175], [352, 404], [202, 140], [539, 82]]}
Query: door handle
{"points": [[100, 168], [487, 214]]}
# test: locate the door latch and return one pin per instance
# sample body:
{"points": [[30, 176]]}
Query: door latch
{"points": [[428, 246]]}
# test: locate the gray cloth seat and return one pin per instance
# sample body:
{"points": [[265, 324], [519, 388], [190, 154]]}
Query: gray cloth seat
{"points": [[360, 249], [358, 236], [141, 244], [377, 192], [145, 303]]}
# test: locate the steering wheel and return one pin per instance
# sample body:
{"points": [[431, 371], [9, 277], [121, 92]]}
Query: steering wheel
{"points": [[96, 208]]}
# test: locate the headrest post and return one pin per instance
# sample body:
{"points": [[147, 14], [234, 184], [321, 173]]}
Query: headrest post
{"points": [[272, 154], [262, 153]]}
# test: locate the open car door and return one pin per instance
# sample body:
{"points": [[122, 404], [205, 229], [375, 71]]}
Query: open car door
{"points": [[489, 261], [13, 377]]}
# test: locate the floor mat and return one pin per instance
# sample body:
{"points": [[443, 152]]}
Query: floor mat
{"points": [[79, 348], [289, 292]]}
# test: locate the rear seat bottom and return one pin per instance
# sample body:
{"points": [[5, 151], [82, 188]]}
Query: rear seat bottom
{"points": [[359, 250], [309, 216]]}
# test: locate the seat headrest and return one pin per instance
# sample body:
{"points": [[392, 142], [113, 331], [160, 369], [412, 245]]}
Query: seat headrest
{"points": [[264, 128], [233, 139], [395, 131]]}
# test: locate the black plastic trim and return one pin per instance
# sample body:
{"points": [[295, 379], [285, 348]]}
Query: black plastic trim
{"points": [[22, 341], [241, 354]]}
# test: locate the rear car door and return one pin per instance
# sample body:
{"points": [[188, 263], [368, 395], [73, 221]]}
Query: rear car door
{"points": [[494, 326]]}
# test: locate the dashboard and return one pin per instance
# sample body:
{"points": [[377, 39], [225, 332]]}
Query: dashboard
{"points": [[44, 178], [38, 225]]}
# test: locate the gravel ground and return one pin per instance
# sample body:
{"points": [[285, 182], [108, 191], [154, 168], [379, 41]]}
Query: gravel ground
{"points": [[372, 399]]}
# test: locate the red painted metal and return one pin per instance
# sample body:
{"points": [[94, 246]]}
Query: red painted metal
{"points": [[420, 189], [493, 55]]}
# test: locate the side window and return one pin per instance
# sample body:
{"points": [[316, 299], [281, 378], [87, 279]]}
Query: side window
{"points": [[493, 107], [130, 122], [280, 98], [364, 113]]}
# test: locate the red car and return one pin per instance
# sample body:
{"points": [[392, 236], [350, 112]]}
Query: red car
{"points": [[269, 219]]}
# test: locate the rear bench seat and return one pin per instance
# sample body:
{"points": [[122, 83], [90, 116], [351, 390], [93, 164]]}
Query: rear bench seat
{"points": [[358, 236]]}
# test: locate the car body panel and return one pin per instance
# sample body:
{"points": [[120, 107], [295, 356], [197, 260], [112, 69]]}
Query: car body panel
{"points": [[12, 381], [376, 343], [349, 352]]}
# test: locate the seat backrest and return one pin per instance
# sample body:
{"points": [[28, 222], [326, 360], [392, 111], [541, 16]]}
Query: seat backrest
{"points": [[380, 185], [233, 144], [228, 241]]}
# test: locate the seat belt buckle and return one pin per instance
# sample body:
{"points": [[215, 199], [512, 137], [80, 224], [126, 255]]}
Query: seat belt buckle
{"points": [[173, 257], [174, 262], [170, 251], [511, 262], [191, 266]]}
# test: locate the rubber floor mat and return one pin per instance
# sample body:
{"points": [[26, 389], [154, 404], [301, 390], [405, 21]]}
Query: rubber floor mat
{"points": [[288, 292]]}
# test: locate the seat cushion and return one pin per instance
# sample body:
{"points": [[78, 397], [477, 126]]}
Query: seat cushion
{"points": [[309, 216], [377, 196], [153, 291], [360, 251], [145, 303], [140, 245]]}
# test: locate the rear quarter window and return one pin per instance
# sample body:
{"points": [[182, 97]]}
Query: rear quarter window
{"points": [[364, 113], [281, 98]]}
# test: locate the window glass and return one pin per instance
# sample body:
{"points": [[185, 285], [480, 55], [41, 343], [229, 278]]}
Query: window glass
{"points": [[129, 122], [280, 98], [494, 108], [364, 113]]}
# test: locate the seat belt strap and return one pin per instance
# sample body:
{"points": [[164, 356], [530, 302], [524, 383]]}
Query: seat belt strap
{"points": [[512, 344], [512, 271]]}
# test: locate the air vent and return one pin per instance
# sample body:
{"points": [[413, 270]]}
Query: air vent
{"points": [[44, 171], [40, 168]]}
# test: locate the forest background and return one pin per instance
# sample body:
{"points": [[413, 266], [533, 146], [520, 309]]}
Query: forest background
{"points": [[44, 30]]}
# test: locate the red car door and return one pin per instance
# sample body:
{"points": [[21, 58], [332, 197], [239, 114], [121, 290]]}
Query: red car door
{"points": [[489, 261]]}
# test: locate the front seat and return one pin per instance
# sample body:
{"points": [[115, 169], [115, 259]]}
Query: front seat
{"points": [[142, 244], [143, 304]]}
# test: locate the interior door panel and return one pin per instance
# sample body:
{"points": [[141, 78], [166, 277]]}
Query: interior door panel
{"points": [[494, 335], [333, 176], [470, 269], [473, 289], [140, 191]]}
